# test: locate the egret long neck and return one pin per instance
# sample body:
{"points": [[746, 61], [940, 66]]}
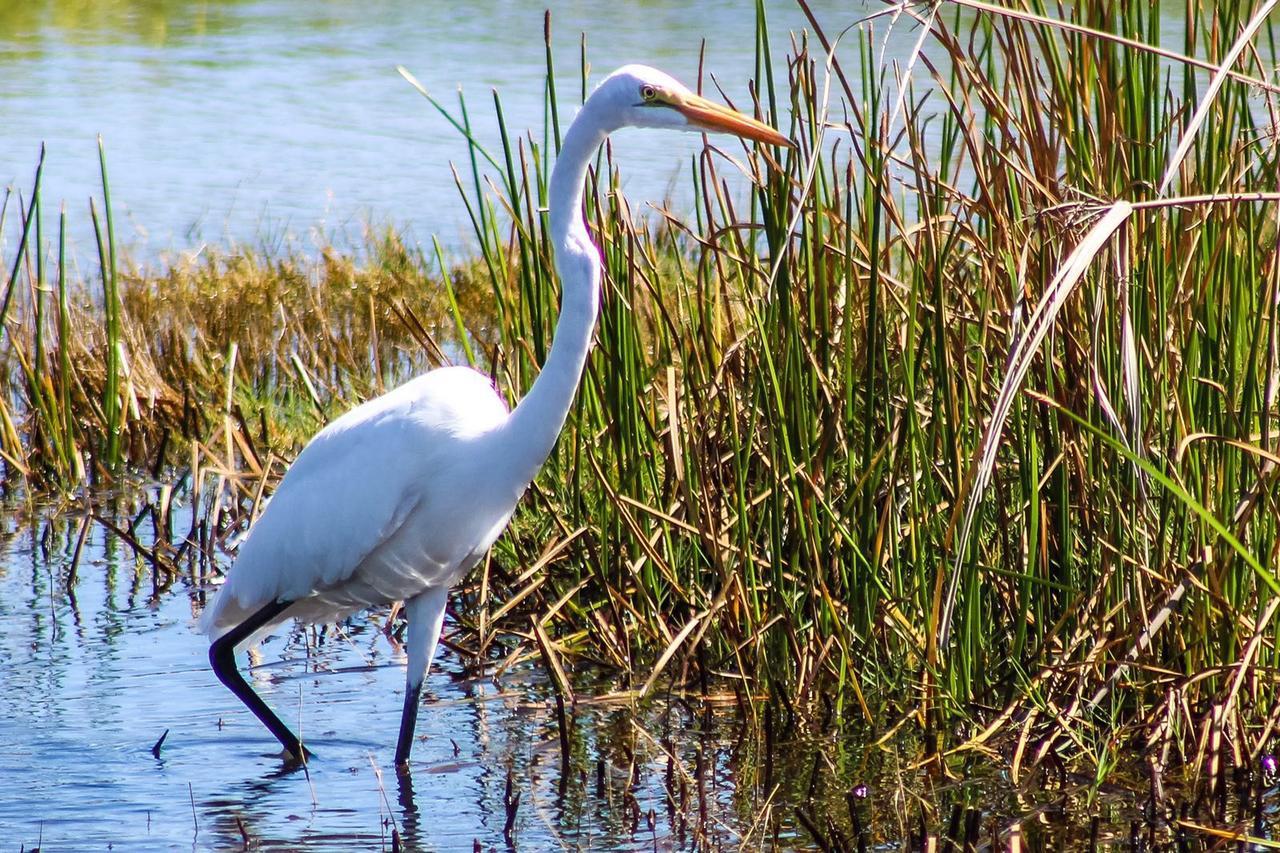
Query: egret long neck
{"points": [[536, 422]]}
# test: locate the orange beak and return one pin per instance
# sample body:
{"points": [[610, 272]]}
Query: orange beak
{"points": [[708, 115]]}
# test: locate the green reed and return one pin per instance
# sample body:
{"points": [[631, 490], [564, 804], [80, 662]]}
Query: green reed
{"points": [[783, 464]]}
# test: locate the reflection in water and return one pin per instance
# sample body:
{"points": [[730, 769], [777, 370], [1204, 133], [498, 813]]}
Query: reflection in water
{"points": [[43, 24], [408, 809]]}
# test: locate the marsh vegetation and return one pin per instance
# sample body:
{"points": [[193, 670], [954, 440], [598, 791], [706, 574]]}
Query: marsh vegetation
{"points": [[958, 429]]}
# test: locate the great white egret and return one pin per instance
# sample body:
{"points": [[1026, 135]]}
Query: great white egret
{"points": [[399, 497]]}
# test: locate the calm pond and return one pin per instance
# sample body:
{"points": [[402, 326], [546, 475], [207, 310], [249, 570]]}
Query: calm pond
{"points": [[271, 122], [282, 123]]}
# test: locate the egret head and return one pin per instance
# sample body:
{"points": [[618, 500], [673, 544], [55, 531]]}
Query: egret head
{"points": [[640, 96]]}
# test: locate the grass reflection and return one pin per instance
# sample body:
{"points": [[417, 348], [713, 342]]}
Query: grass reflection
{"points": [[131, 22]]}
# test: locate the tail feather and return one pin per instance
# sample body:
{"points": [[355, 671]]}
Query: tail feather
{"points": [[223, 614]]}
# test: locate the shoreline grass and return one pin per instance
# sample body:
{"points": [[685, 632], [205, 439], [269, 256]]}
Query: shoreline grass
{"points": [[783, 469]]}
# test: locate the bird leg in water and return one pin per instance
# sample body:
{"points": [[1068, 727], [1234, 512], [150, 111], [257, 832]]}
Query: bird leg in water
{"points": [[222, 656], [425, 613], [408, 722]]}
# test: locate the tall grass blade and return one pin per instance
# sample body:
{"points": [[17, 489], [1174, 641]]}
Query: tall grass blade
{"points": [[21, 253], [1069, 274], [1215, 84]]}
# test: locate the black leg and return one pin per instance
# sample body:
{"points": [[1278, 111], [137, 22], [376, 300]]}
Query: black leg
{"points": [[408, 720], [222, 656]]}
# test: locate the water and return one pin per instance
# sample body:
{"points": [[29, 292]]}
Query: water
{"points": [[92, 679], [95, 668], [283, 122]]}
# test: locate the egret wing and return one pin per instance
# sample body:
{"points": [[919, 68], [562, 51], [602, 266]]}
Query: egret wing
{"points": [[351, 489]]}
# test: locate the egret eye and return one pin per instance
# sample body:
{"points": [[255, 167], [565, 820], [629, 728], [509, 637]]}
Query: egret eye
{"points": [[648, 93]]}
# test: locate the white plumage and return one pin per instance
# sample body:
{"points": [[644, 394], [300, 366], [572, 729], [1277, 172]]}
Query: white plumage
{"points": [[386, 501]]}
